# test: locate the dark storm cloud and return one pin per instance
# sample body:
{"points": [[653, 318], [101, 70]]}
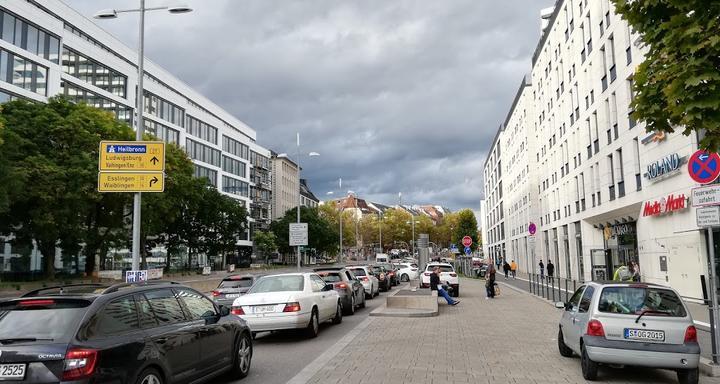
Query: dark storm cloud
{"points": [[396, 95]]}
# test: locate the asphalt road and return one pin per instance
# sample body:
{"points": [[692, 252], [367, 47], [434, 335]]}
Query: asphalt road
{"points": [[278, 357]]}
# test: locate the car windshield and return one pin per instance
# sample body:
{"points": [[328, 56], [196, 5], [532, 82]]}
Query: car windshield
{"points": [[237, 283], [291, 283], [358, 271], [377, 269], [443, 268], [40, 319], [634, 300], [330, 277]]}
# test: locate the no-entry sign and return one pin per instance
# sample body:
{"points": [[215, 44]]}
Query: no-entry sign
{"points": [[467, 241], [704, 167]]}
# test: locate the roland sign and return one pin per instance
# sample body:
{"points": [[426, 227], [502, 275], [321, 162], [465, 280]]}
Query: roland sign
{"points": [[664, 166]]}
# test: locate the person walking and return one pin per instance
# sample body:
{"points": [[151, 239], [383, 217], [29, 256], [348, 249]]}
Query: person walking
{"points": [[436, 285], [551, 270], [513, 269], [506, 269], [542, 269], [490, 283]]}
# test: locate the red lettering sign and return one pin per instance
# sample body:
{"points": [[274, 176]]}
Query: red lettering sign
{"points": [[665, 205]]}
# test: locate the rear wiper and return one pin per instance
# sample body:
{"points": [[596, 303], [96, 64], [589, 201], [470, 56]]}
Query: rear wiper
{"points": [[650, 311], [21, 340]]}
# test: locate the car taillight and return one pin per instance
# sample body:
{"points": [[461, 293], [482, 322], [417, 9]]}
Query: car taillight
{"points": [[79, 364], [595, 328], [36, 303], [427, 273], [453, 275], [237, 311], [215, 293], [341, 286], [292, 307], [691, 334], [365, 278]]}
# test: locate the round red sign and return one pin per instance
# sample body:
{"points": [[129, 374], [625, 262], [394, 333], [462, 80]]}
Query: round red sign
{"points": [[467, 241], [704, 167]]}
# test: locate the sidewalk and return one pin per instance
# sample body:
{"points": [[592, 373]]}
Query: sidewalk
{"points": [[511, 339]]}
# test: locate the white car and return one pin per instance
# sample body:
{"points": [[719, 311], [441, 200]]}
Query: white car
{"points": [[408, 271], [447, 276], [289, 301], [367, 278]]}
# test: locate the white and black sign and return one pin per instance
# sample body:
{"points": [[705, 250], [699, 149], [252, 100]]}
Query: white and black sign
{"points": [[704, 196], [665, 166], [298, 234], [708, 216]]}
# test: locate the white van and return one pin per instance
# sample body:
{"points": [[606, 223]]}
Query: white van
{"points": [[382, 258]]}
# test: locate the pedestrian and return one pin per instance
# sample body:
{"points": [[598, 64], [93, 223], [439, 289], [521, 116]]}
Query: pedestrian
{"points": [[542, 269], [436, 285], [506, 269], [490, 283], [513, 269], [551, 270], [635, 271]]}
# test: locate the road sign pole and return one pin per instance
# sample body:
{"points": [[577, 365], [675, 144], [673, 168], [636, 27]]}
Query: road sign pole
{"points": [[713, 298], [137, 207]]}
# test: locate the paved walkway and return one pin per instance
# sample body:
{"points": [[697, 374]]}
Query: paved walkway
{"points": [[511, 339]]}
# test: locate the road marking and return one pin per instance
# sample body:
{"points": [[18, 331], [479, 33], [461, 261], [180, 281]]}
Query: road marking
{"points": [[311, 369]]}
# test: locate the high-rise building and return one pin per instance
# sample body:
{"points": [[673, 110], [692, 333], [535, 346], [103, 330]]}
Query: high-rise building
{"points": [[602, 192], [285, 185], [47, 49]]}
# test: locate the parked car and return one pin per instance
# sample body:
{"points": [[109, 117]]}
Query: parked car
{"points": [[447, 276], [124, 333], [367, 277], [232, 287], [391, 272], [289, 301], [629, 324], [350, 289], [408, 271], [382, 276]]}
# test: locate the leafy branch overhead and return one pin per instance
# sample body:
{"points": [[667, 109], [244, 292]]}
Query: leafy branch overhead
{"points": [[678, 84]]}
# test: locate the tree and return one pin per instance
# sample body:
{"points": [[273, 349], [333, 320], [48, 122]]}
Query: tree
{"points": [[321, 235], [265, 243], [678, 84], [466, 226]]}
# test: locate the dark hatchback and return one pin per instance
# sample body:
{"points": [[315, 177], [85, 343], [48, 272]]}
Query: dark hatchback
{"points": [[232, 287], [383, 277], [347, 285], [125, 333]]}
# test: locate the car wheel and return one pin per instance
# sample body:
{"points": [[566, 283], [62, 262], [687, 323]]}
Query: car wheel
{"points": [[150, 376], [350, 311], [589, 367], [369, 296], [313, 326], [405, 277], [565, 351], [688, 376], [254, 335], [242, 357], [338, 314]]}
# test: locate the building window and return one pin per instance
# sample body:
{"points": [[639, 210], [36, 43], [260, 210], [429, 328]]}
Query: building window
{"points": [[207, 173], [92, 72], [202, 152], [79, 94], [201, 129], [23, 73], [27, 36], [236, 167], [164, 109], [162, 132], [620, 173], [236, 148], [235, 186], [636, 155]]}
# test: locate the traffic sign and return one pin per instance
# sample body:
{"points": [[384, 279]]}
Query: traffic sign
{"points": [[467, 241], [704, 167], [131, 182], [707, 195], [708, 216], [298, 234], [136, 276], [468, 250], [132, 156], [532, 228]]}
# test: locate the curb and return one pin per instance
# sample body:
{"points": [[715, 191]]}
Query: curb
{"points": [[383, 310]]}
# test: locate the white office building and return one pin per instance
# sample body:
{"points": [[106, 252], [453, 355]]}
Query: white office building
{"points": [[47, 49], [603, 192]]}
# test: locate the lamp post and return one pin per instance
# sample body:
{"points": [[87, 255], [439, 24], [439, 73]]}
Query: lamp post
{"points": [[299, 198], [139, 129], [413, 234]]}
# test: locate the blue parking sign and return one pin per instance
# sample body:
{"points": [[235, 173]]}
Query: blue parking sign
{"points": [[468, 250]]}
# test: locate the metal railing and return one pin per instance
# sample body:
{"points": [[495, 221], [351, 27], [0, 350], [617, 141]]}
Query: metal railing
{"points": [[551, 288]]}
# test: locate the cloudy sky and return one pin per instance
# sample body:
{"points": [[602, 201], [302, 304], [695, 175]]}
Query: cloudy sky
{"points": [[396, 95]]}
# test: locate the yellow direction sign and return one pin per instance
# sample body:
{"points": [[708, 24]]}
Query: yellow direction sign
{"points": [[132, 156], [131, 182]]}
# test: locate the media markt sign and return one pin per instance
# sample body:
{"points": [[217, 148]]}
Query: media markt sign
{"points": [[298, 234], [665, 166], [665, 205]]}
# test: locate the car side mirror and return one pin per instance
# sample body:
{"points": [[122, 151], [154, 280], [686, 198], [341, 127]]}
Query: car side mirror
{"points": [[224, 311], [560, 305], [328, 287]]}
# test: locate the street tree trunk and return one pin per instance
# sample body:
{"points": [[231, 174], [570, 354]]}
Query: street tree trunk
{"points": [[47, 249]]}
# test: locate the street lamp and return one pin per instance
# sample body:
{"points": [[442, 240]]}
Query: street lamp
{"points": [[299, 199], [413, 234], [139, 131]]}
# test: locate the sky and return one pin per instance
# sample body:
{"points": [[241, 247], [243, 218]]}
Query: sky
{"points": [[396, 95]]}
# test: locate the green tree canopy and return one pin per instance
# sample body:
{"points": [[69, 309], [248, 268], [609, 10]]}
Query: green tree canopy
{"points": [[466, 226], [678, 84], [266, 243], [321, 235]]}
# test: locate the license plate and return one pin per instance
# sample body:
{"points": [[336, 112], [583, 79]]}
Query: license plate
{"points": [[644, 334], [232, 295], [263, 308], [12, 371]]}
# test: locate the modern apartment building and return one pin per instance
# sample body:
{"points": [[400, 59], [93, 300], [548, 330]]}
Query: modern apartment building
{"points": [[47, 49], [493, 225], [604, 192], [307, 198], [285, 185]]}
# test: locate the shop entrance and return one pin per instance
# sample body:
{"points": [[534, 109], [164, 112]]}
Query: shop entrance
{"points": [[620, 251]]}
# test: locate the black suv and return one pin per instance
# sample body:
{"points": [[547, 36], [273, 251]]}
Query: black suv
{"points": [[125, 333]]}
